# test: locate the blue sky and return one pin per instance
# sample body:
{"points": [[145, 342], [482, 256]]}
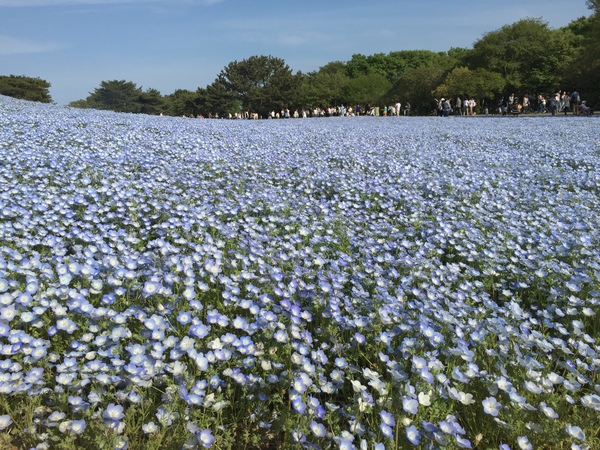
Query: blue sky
{"points": [[184, 44]]}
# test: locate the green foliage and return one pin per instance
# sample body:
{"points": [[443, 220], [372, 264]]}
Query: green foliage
{"points": [[415, 86], [182, 103], [217, 100], [528, 54], [151, 102], [26, 88], [594, 5], [393, 65], [366, 89], [116, 95], [81, 104], [324, 87], [584, 72], [259, 84], [479, 83], [125, 96]]}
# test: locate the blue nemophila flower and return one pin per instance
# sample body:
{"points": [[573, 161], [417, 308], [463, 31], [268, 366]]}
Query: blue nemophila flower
{"points": [[386, 430], [548, 411], [591, 401], [113, 412], [575, 432], [410, 405], [5, 421], [463, 442], [318, 429], [491, 406], [413, 435], [77, 426], [523, 443]]}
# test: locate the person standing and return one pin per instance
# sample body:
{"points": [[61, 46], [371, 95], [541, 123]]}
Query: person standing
{"points": [[398, 106], [526, 103], [458, 107], [555, 104], [472, 106], [575, 102], [565, 99], [446, 107]]}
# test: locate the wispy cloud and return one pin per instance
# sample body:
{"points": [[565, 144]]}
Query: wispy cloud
{"points": [[23, 3], [16, 46]]}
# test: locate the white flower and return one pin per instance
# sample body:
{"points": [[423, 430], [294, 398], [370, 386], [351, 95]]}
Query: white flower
{"points": [[424, 399]]}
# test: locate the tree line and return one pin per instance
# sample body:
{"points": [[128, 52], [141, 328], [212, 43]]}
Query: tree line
{"points": [[524, 57]]}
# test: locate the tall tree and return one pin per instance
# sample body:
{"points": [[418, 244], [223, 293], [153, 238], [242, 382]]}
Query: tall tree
{"points": [[366, 89], [151, 102], [116, 95], [393, 65], [324, 87], [26, 88], [584, 72], [528, 54], [416, 86], [182, 103], [480, 84], [217, 100], [260, 83]]}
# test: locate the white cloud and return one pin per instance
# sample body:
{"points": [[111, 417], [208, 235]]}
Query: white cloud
{"points": [[15, 46], [23, 3]]}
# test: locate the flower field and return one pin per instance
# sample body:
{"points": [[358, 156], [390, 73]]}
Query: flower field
{"points": [[367, 283]]}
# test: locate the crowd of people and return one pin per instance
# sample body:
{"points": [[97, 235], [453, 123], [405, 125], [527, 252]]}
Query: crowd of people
{"points": [[559, 102], [458, 107]]}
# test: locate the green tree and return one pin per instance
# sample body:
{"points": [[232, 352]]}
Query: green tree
{"points": [[528, 54], [217, 100], [81, 104], [393, 65], [415, 86], [26, 88], [481, 84], [584, 72], [151, 102], [116, 95], [324, 87], [366, 90], [260, 84], [182, 103]]}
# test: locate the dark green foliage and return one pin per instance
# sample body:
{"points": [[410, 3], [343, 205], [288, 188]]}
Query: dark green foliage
{"points": [[151, 102], [528, 54], [125, 96], [324, 87], [182, 103], [259, 84], [416, 86], [366, 90], [116, 95], [393, 65], [584, 71], [26, 88]]}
